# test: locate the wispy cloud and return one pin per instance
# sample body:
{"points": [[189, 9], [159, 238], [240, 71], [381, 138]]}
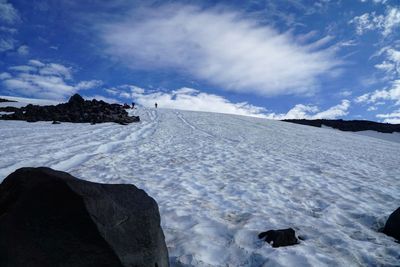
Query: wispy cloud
{"points": [[219, 47], [43, 80]]}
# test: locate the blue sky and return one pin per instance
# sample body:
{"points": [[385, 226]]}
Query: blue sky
{"points": [[272, 59]]}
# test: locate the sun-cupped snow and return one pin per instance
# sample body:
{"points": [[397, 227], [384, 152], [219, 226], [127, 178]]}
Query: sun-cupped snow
{"points": [[219, 180]]}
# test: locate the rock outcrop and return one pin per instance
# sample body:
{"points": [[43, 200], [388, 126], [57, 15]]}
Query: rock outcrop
{"points": [[392, 226], [6, 100], [279, 238], [50, 218], [351, 126], [76, 110]]}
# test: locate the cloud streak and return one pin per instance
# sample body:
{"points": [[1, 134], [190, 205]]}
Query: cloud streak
{"points": [[219, 47]]}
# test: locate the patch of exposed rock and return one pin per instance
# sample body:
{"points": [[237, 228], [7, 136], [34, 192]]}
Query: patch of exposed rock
{"points": [[351, 126], [2, 100], [75, 110]]}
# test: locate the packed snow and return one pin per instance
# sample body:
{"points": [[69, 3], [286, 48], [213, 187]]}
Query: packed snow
{"points": [[221, 179]]}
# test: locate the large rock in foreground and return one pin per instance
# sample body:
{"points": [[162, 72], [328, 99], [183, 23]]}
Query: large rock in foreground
{"points": [[392, 226], [76, 110], [50, 218]]}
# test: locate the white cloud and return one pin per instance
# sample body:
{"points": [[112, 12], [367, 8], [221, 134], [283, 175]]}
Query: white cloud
{"points": [[23, 50], [393, 117], [376, 1], [8, 14], [8, 30], [391, 64], [195, 100], [37, 63], [371, 21], [219, 47], [43, 80], [345, 93], [88, 84], [55, 69], [5, 75], [7, 44], [8, 17], [23, 68], [392, 93], [301, 111]]}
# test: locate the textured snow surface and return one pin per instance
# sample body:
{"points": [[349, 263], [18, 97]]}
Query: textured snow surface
{"points": [[220, 179]]}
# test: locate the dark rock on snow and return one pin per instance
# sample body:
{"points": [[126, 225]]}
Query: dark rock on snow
{"points": [[9, 109], [76, 110], [279, 238], [351, 126], [6, 100], [392, 226], [50, 218]]}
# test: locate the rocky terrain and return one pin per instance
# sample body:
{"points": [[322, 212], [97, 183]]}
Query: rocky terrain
{"points": [[351, 126], [75, 110]]}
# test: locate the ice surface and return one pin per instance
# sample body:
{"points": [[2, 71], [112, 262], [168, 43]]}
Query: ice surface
{"points": [[221, 179]]}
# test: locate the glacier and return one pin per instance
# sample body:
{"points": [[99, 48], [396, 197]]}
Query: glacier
{"points": [[221, 179]]}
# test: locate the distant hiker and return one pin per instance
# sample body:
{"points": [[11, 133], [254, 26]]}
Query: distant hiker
{"points": [[156, 104], [133, 105]]}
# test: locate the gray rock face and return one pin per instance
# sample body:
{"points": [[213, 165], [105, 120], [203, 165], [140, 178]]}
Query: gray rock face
{"points": [[392, 226], [50, 218]]}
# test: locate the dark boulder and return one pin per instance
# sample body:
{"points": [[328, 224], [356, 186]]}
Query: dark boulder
{"points": [[50, 218], [392, 226], [279, 238]]}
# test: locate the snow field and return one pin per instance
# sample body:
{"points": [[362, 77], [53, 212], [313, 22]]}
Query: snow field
{"points": [[220, 179]]}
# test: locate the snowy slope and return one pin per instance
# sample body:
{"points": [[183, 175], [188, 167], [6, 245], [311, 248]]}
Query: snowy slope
{"points": [[22, 102], [221, 179]]}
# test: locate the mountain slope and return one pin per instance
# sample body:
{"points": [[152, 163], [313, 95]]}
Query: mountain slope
{"points": [[221, 179]]}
